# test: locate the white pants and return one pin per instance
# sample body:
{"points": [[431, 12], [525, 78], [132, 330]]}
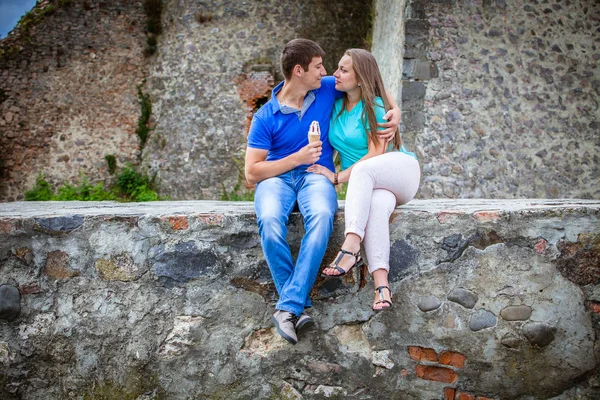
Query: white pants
{"points": [[377, 185]]}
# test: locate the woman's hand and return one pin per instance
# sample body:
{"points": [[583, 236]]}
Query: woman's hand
{"points": [[321, 170], [393, 117]]}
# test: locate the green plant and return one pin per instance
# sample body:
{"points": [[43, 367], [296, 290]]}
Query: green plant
{"points": [[143, 130], [135, 186], [130, 186], [42, 191], [111, 160]]}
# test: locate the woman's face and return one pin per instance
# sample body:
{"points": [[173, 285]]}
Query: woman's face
{"points": [[345, 77]]}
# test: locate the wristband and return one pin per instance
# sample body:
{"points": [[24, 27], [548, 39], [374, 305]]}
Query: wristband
{"points": [[335, 178]]}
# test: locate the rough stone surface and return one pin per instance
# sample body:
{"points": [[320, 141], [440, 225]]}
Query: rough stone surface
{"points": [[177, 331], [70, 85], [512, 112], [464, 297], [10, 302]]}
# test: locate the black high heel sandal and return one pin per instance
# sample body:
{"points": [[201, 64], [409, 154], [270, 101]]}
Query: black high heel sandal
{"points": [[382, 299], [357, 263]]}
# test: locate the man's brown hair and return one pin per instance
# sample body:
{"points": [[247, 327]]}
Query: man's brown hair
{"points": [[298, 52]]}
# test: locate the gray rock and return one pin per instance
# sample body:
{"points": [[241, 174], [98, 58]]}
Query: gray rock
{"points": [[510, 341], [10, 302], [482, 319], [516, 313], [464, 297], [539, 334], [184, 262], [59, 225], [429, 303]]}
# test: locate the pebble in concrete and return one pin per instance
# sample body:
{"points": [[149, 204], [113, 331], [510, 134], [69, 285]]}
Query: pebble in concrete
{"points": [[510, 341], [516, 313], [464, 297], [539, 334], [429, 303], [482, 319], [10, 302]]}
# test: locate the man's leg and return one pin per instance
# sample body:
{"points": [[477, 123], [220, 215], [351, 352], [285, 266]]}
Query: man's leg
{"points": [[274, 200], [317, 201]]}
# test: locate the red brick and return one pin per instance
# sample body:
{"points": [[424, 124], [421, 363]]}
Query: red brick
{"points": [[464, 396], [179, 222], [453, 359], [422, 354], [593, 306], [438, 374], [449, 393], [486, 216], [446, 215], [540, 246]]}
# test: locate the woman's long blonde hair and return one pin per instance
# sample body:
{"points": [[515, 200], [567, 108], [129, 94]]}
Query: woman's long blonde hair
{"points": [[371, 83]]}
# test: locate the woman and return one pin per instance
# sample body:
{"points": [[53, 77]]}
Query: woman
{"points": [[380, 175]]}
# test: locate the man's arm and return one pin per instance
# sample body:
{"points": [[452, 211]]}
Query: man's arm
{"points": [[258, 169]]}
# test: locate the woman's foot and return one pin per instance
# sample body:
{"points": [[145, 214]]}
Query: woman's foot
{"points": [[383, 298], [343, 263]]}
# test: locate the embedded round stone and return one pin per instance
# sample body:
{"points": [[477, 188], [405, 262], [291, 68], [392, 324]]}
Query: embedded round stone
{"points": [[464, 297], [539, 334], [516, 313], [10, 302], [511, 341], [482, 319], [429, 303]]}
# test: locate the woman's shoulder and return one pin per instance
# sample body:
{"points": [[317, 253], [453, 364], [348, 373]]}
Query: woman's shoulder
{"points": [[378, 101]]}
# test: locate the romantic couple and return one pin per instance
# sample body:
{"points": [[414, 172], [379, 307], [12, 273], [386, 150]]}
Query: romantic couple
{"points": [[360, 120]]}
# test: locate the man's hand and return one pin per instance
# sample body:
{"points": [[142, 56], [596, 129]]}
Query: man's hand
{"points": [[310, 153], [393, 117]]}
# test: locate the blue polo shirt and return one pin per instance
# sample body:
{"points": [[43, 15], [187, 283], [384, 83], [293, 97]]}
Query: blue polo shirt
{"points": [[283, 132]]}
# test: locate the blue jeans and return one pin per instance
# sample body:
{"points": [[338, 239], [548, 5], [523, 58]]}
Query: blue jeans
{"points": [[274, 201]]}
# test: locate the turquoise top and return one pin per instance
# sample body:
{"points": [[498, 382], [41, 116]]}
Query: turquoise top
{"points": [[348, 135]]}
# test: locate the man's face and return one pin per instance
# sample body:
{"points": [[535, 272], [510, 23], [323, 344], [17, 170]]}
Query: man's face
{"points": [[316, 71]]}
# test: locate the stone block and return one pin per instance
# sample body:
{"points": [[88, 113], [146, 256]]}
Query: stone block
{"points": [[10, 302], [58, 225]]}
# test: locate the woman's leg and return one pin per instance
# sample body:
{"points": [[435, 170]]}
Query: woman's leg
{"points": [[394, 172], [377, 243]]}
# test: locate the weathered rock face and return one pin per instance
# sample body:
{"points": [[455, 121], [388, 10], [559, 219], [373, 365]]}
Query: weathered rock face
{"points": [[217, 63], [174, 299], [500, 98], [68, 94]]}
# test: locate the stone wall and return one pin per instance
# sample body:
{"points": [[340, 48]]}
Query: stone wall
{"points": [[68, 94], [492, 299], [216, 64], [500, 98]]}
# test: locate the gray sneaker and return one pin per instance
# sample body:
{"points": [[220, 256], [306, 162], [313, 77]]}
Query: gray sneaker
{"points": [[285, 322], [305, 323]]}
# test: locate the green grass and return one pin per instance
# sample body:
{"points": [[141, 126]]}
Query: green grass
{"points": [[129, 186]]}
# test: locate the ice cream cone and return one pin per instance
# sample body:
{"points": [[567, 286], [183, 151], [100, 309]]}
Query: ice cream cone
{"points": [[314, 133]]}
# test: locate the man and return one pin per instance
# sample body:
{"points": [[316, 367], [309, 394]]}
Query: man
{"points": [[277, 156]]}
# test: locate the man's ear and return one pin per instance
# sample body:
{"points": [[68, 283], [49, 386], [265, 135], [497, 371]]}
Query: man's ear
{"points": [[298, 70]]}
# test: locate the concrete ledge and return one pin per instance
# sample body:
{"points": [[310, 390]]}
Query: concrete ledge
{"points": [[492, 298]]}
